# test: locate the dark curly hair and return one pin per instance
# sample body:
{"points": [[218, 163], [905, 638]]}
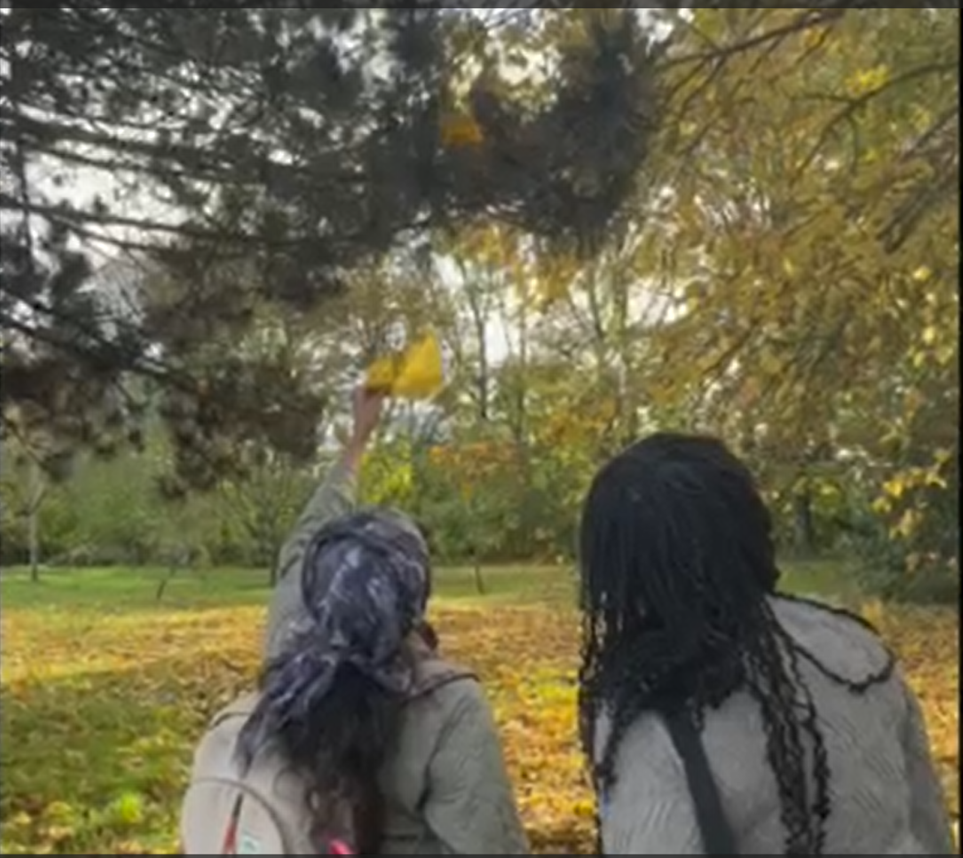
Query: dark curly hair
{"points": [[678, 567]]}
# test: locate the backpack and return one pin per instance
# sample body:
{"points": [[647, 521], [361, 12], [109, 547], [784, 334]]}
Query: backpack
{"points": [[264, 810]]}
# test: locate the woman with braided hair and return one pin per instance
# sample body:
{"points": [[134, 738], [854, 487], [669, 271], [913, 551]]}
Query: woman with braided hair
{"points": [[809, 740]]}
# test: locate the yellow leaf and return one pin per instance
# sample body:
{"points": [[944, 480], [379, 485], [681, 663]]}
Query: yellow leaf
{"points": [[382, 373], [460, 129], [418, 373], [907, 525], [895, 487], [881, 506], [870, 80], [873, 611], [422, 373]]}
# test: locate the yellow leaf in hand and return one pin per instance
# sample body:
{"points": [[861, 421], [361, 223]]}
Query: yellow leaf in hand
{"points": [[382, 374], [418, 373], [422, 372]]}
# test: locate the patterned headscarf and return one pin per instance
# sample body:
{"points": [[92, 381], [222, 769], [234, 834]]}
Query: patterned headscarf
{"points": [[365, 587]]}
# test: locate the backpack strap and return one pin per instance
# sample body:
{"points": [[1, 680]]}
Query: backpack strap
{"points": [[434, 673], [229, 844], [717, 834]]}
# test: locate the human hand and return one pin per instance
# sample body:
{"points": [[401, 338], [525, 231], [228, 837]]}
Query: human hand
{"points": [[366, 409]]}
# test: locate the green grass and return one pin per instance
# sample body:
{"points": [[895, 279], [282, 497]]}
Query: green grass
{"points": [[121, 589]]}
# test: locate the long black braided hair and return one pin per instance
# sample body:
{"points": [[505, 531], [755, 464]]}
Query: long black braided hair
{"points": [[678, 568]]}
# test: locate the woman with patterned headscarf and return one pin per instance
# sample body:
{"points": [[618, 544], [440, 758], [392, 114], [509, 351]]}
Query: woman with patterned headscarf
{"points": [[392, 749]]}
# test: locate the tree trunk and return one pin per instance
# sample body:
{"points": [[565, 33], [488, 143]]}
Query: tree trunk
{"points": [[479, 577], [33, 525], [803, 524]]}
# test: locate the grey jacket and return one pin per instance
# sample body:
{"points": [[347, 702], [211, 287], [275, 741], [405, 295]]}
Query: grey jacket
{"points": [[886, 797], [446, 786]]}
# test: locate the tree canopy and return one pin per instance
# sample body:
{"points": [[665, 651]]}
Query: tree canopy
{"points": [[264, 155], [741, 221]]}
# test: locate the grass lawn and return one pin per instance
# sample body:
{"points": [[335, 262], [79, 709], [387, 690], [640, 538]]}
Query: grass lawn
{"points": [[105, 690]]}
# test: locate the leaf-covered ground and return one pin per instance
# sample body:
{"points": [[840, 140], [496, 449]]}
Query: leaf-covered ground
{"points": [[104, 693]]}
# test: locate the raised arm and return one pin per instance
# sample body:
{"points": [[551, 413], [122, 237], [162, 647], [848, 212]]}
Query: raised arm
{"points": [[333, 498], [470, 806]]}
